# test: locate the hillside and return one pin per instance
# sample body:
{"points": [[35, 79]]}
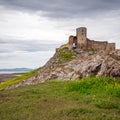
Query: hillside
{"points": [[87, 99], [72, 65], [83, 84]]}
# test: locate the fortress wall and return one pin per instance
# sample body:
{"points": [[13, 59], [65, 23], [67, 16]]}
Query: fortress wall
{"points": [[72, 39], [71, 42], [89, 44], [97, 45], [110, 46]]}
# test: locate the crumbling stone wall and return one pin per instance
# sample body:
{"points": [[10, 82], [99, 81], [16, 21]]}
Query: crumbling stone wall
{"points": [[110, 46], [72, 39], [82, 42], [97, 45]]}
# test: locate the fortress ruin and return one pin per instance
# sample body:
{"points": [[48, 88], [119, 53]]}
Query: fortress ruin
{"points": [[80, 41]]}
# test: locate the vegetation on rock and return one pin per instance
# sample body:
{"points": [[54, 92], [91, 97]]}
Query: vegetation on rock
{"points": [[65, 55]]}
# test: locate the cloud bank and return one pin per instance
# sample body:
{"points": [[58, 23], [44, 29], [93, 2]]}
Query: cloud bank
{"points": [[63, 8], [31, 27]]}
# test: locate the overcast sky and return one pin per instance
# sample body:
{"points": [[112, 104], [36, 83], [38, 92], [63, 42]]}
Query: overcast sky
{"points": [[30, 30]]}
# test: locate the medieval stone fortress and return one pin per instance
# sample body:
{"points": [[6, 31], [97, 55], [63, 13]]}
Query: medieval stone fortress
{"points": [[80, 41]]}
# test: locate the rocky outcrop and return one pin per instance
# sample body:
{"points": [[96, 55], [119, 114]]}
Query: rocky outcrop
{"points": [[76, 64]]}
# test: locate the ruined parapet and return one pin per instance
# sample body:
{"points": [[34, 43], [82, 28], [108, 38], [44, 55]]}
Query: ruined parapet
{"points": [[81, 34], [89, 44], [98, 45], [80, 41], [72, 40], [110, 47]]}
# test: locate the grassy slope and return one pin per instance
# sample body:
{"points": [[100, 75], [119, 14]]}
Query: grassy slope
{"points": [[64, 55], [89, 99], [16, 80]]}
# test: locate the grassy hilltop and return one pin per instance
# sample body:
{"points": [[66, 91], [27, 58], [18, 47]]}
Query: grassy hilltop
{"points": [[87, 99], [92, 98]]}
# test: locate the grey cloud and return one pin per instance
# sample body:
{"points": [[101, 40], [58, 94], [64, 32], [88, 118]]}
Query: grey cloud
{"points": [[63, 8], [7, 46]]}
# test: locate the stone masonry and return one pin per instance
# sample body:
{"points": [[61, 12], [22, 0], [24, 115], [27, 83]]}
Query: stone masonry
{"points": [[80, 41]]}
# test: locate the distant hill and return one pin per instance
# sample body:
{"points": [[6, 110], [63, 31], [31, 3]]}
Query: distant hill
{"points": [[16, 69], [6, 74]]}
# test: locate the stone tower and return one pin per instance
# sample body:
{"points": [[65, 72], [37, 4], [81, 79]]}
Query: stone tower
{"points": [[80, 41], [81, 37]]}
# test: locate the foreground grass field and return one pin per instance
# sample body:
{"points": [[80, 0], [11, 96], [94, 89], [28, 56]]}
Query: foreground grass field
{"points": [[88, 99]]}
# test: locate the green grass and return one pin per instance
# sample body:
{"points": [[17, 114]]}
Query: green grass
{"points": [[88, 99], [95, 86], [17, 80], [65, 55]]}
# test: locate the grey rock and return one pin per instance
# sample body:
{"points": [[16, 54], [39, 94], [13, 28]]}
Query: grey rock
{"points": [[83, 64]]}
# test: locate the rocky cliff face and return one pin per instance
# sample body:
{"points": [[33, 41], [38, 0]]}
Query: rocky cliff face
{"points": [[76, 64]]}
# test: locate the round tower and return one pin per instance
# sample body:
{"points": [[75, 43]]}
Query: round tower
{"points": [[82, 37]]}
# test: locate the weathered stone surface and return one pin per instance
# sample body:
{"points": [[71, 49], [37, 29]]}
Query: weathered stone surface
{"points": [[80, 41]]}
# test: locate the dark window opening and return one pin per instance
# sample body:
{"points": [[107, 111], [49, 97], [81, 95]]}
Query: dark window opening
{"points": [[82, 30], [82, 33]]}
